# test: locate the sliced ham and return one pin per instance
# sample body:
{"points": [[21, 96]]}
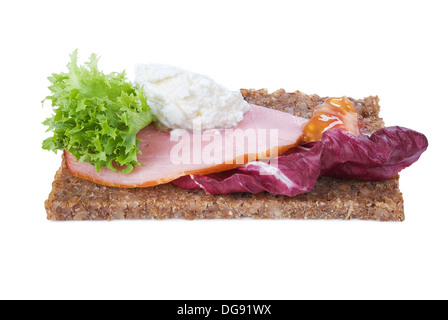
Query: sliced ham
{"points": [[263, 133]]}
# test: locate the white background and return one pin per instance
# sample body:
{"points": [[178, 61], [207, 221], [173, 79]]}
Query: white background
{"points": [[394, 49]]}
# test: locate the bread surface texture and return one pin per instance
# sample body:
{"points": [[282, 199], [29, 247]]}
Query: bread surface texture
{"points": [[73, 198]]}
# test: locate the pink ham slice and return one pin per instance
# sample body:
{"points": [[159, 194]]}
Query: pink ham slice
{"points": [[263, 133]]}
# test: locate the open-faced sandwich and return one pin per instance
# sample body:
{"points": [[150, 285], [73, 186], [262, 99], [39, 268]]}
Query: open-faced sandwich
{"points": [[176, 144]]}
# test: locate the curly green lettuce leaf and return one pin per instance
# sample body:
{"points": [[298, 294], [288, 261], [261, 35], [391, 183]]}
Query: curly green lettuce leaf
{"points": [[96, 116]]}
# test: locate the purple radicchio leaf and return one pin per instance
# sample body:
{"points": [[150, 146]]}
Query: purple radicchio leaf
{"points": [[338, 154]]}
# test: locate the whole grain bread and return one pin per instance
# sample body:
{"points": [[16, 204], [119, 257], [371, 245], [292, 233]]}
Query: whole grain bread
{"points": [[73, 198]]}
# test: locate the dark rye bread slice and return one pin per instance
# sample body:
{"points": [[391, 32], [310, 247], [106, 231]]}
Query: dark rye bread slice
{"points": [[73, 198]]}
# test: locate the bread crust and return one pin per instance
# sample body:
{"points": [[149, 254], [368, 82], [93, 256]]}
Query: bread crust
{"points": [[73, 198]]}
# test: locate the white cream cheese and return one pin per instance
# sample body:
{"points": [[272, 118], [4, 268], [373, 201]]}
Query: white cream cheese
{"points": [[180, 99]]}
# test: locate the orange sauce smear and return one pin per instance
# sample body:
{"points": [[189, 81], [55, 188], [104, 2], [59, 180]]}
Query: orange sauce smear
{"points": [[334, 113]]}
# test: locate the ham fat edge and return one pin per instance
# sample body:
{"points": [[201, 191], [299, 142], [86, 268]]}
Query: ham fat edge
{"points": [[262, 134]]}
